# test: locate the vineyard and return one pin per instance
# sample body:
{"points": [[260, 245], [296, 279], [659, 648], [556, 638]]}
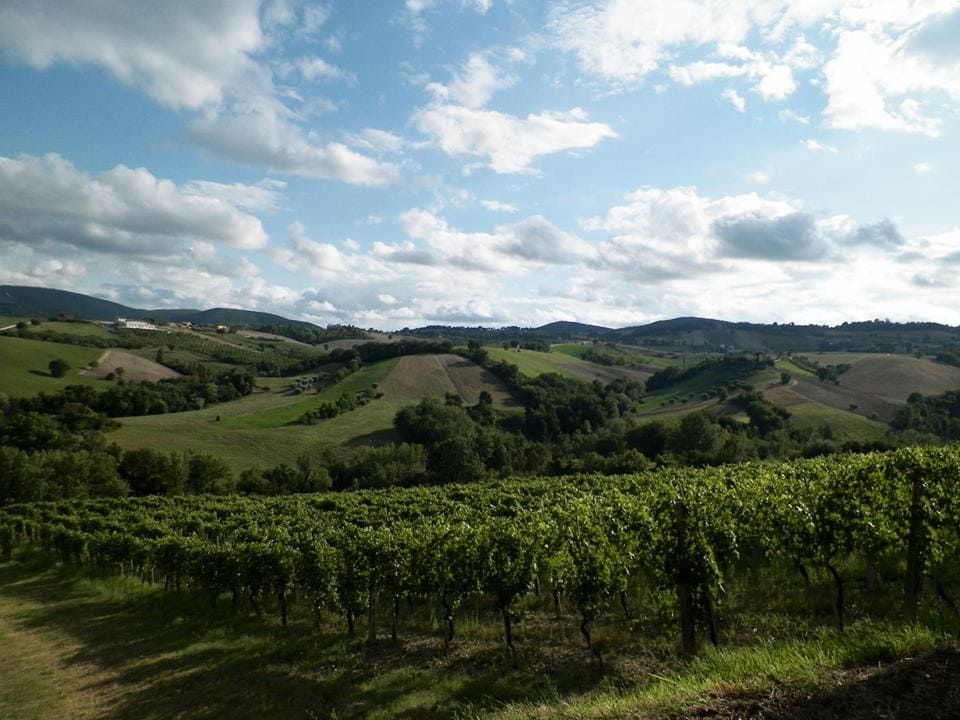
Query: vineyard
{"points": [[582, 548]]}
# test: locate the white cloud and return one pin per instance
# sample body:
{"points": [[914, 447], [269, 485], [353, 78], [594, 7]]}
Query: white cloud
{"points": [[759, 177], [182, 53], [923, 168], [311, 68], [261, 136], [304, 254], [625, 40], [497, 206], [661, 234], [377, 141], [817, 146], [869, 80], [265, 196], [125, 210], [777, 83], [508, 144], [888, 70], [475, 83], [735, 98], [213, 58], [793, 116]]}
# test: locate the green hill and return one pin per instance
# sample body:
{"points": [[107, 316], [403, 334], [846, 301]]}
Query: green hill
{"points": [[261, 429], [22, 301]]}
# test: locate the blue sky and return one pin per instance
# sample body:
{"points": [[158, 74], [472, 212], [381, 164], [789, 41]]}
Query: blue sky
{"points": [[490, 162]]}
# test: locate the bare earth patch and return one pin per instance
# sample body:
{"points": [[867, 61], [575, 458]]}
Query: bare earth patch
{"points": [[134, 368]]}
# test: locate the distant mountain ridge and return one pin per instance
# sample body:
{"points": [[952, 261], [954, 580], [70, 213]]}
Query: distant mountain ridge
{"points": [[690, 334], [24, 301]]}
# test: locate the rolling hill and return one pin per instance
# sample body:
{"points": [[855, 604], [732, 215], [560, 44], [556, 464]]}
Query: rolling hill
{"points": [[261, 429], [22, 301]]}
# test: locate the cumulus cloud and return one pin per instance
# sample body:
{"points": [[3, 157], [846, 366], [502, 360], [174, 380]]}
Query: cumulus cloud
{"points": [[475, 83], [507, 143], [303, 254], [125, 210], [790, 237], [497, 206], [735, 98], [661, 234], [311, 68], [183, 54], [883, 234], [259, 135], [890, 67], [212, 58]]}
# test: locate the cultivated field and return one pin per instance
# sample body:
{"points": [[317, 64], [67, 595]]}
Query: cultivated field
{"points": [[135, 367]]}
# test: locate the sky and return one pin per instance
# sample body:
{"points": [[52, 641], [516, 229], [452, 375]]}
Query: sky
{"points": [[399, 163]]}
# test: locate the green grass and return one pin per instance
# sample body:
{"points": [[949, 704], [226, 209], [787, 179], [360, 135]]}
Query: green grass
{"points": [[80, 644], [629, 355], [846, 425], [71, 328], [848, 358], [253, 431], [7, 320], [23, 365], [281, 415], [533, 363], [796, 668], [794, 369]]}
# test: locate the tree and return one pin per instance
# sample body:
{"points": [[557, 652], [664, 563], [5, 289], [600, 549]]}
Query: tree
{"points": [[58, 368]]}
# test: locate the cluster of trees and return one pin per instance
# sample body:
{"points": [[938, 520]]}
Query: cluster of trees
{"points": [[127, 399], [58, 474], [346, 403], [734, 367], [937, 416], [536, 345]]}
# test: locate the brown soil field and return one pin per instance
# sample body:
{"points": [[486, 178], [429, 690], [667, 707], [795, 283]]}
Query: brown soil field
{"points": [[134, 368], [419, 376], [893, 378]]}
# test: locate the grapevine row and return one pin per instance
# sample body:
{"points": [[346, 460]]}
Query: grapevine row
{"points": [[588, 539]]}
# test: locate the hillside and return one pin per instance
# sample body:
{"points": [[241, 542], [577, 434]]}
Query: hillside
{"points": [[24, 366], [23, 301], [262, 429]]}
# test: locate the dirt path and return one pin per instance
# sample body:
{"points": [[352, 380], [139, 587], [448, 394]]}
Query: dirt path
{"points": [[41, 675]]}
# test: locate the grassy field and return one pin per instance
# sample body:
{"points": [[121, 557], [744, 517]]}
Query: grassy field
{"points": [[845, 425], [24, 365], [85, 647], [72, 328], [794, 369], [533, 363], [894, 378], [285, 414], [628, 354], [692, 390]]}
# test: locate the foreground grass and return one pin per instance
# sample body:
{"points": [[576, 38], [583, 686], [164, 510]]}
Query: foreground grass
{"points": [[775, 679], [78, 645]]}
